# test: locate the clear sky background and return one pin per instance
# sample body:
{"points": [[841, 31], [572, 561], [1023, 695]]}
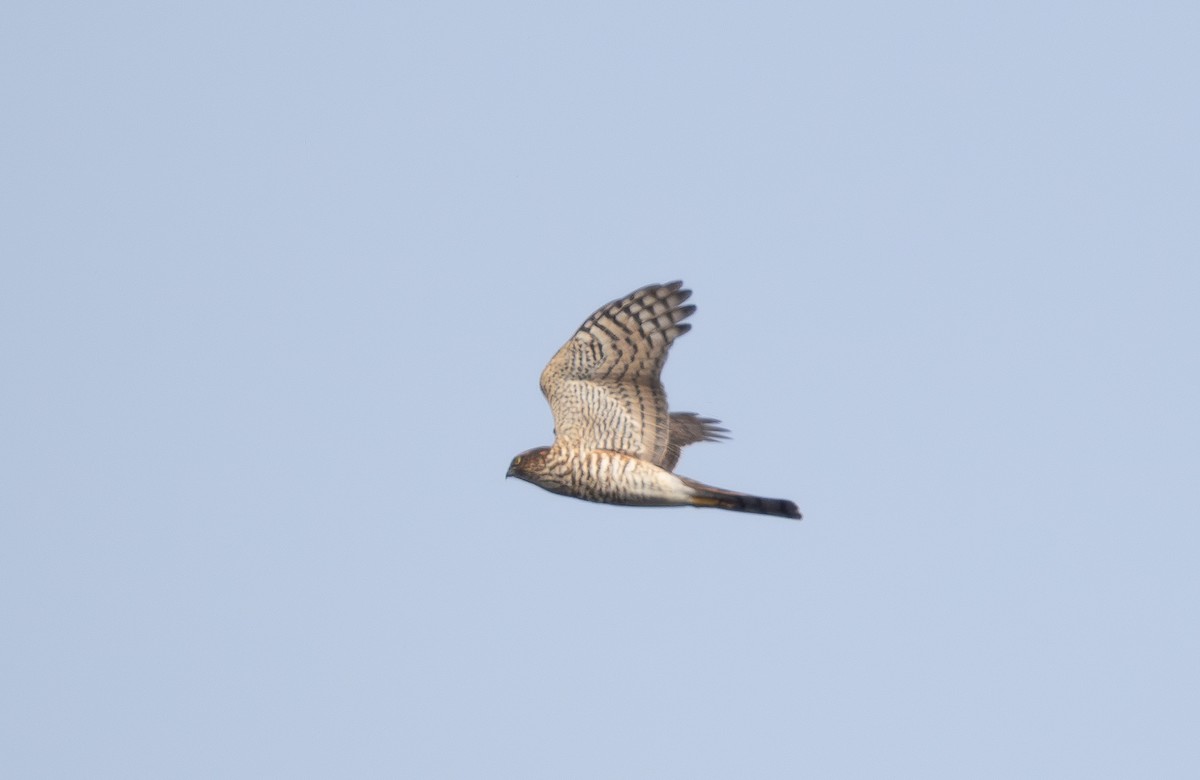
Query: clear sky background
{"points": [[278, 283]]}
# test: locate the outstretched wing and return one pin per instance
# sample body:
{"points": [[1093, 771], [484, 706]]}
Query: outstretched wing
{"points": [[689, 428], [603, 385]]}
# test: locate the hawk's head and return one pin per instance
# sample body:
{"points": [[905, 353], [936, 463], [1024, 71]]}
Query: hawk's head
{"points": [[528, 465]]}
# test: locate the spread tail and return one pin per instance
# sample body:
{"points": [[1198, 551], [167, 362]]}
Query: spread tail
{"points": [[706, 495]]}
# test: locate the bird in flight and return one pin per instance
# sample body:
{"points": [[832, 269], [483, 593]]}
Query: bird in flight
{"points": [[614, 440]]}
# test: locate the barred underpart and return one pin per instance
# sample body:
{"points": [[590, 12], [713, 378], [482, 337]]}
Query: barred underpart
{"points": [[616, 442]]}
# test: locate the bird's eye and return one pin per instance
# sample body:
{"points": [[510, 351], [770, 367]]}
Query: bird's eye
{"points": [[517, 461]]}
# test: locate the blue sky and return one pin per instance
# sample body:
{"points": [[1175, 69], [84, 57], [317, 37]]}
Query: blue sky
{"points": [[279, 282]]}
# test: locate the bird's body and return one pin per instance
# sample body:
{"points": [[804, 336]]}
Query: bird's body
{"points": [[615, 441], [606, 476]]}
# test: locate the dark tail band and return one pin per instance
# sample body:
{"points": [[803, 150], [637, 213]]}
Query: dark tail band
{"points": [[707, 495]]}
